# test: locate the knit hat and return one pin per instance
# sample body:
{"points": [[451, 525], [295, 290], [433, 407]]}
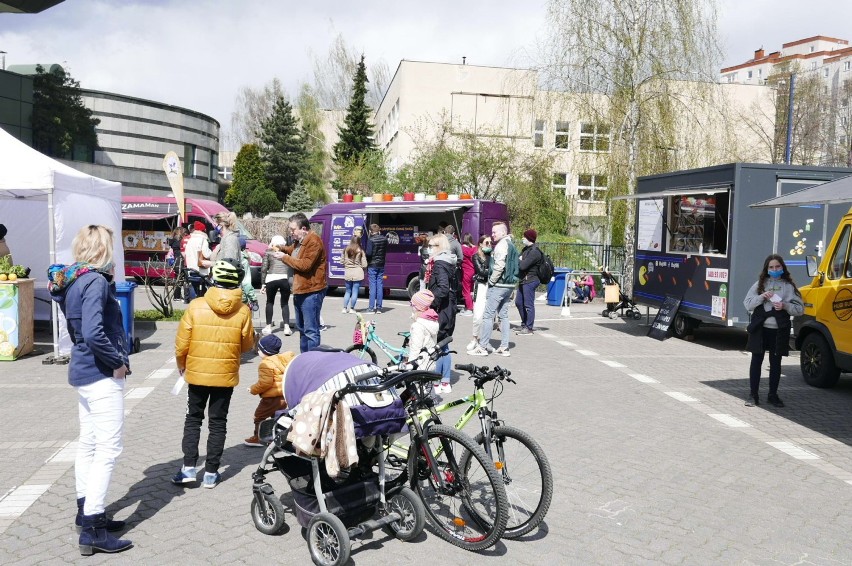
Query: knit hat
{"points": [[198, 226], [277, 241], [422, 300], [269, 344], [531, 235]]}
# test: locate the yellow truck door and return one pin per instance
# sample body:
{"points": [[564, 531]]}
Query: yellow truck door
{"points": [[834, 308]]}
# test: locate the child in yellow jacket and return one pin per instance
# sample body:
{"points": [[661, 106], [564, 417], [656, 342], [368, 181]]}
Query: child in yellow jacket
{"points": [[269, 384]]}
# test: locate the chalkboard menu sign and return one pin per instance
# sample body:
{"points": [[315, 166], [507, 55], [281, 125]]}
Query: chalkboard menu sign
{"points": [[665, 316]]}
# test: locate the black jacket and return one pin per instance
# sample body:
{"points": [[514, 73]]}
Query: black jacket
{"points": [[755, 331], [480, 268], [377, 247], [442, 283], [528, 262]]}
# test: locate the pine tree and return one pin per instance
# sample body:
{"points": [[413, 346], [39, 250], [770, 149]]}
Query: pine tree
{"points": [[356, 134], [282, 149], [299, 200], [249, 192], [61, 123]]}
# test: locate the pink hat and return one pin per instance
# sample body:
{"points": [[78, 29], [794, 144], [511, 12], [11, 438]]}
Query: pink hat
{"points": [[422, 300]]}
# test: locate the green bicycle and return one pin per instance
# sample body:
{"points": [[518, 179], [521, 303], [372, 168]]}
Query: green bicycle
{"points": [[366, 339]]}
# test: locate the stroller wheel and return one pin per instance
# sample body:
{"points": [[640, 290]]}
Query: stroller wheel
{"points": [[413, 514], [328, 540], [613, 315], [637, 315], [268, 516], [605, 312]]}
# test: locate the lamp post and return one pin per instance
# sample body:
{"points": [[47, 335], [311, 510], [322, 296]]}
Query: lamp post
{"points": [[2, 60], [788, 147]]}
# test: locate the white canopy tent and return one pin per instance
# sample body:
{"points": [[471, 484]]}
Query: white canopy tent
{"points": [[43, 204]]}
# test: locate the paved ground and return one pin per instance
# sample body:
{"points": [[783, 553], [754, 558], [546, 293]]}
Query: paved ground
{"points": [[655, 457]]}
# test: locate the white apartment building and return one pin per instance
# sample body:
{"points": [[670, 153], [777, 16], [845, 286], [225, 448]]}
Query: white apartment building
{"points": [[508, 103], [825, 55]]}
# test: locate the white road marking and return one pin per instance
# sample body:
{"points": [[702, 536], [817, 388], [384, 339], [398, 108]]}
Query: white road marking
{"points": [[19, 499], [612, 364], [546, 335], [642, 378], [161, 373], [587, 352], [794, 451], [729, 420], [67, 453], [566, 343], [138, 392], [681, 397]]}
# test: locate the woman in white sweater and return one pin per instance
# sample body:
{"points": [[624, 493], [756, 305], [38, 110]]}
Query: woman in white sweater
{"points": [[772, 300]]}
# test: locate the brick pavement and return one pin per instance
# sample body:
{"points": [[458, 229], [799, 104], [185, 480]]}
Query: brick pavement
{"points": [[656, 460]]}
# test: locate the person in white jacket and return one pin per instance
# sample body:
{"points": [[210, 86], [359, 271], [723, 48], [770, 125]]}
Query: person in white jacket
{"points": [[424, 333], [197, 258]]}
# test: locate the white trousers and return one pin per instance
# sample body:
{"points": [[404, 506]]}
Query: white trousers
{"points": [[101, 407], [479, 307]]}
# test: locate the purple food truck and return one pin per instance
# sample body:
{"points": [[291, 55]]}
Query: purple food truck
{"points": [[401, 222]]}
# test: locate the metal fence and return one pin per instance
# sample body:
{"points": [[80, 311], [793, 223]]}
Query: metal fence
{"points": [[589, 257]]}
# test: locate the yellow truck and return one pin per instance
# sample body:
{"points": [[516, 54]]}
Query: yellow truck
{"points": [[824, 334]]}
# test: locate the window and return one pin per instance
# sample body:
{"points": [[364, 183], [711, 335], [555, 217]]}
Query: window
{"points": [[560, 182], [759, 73], [698, 224], [563, 135], [813, 65], [538, 135], [188, 158], [843, 120], [214, 166], [811, 50], [825, 72], [749, 74], [591, 188], [841, 266], [847, 65], [594, 137]]}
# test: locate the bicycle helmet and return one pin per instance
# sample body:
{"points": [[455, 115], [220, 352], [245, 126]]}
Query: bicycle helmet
{"points": [[226, 275]]}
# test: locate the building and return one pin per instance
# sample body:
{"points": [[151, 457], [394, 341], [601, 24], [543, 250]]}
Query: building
{"points": [[16, 105], [508, 104], [815, 54]]}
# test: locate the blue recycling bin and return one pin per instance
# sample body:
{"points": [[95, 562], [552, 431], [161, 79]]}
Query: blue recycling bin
{"points": [[556, 286], [124, 294]]}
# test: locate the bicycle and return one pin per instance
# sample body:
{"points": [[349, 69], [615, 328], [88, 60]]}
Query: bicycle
{"points": [[464, 496], [368, 336]]}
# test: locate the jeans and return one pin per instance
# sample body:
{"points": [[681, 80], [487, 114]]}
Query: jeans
{"points": [[351, 294], [272, 288], [496, 303], [101, 409], [769, 338], [197, 398], [375, 279], [308, 307], [525, 301], [444, 365]]}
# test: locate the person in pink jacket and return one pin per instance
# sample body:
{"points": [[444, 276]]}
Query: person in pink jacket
{"points": [[469, 249]]}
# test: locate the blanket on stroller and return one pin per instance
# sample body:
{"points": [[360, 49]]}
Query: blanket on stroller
{"points": [[324, 429]]}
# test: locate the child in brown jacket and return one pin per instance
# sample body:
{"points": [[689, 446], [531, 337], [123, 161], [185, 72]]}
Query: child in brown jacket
{"points": [[269, 384]]}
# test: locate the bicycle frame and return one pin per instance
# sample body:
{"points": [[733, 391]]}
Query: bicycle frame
{"points": [[368, 330]]}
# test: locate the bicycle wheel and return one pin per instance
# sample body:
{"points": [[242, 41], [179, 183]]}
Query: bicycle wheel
{"points": [[362, 352], [470, 509], [526, 475]]}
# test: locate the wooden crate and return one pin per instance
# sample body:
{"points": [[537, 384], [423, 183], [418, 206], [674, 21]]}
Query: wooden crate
{"points": [[17, 304]]}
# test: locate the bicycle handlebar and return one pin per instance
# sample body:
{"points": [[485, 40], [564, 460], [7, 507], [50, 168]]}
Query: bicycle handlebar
{"points": [[484, 374]]}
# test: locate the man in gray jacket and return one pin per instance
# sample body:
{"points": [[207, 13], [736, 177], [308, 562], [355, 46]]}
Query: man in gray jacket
{"points": [[502, 280]]}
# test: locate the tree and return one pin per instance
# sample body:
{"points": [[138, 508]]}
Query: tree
{"points": [[253, 106], [249, 191], [356, 134], [282, 149], [62, 125], [299, 200], [317, 170], [332, 84], [624, 51]]}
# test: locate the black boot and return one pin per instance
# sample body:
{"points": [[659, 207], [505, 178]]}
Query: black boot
{"points": [[94, 536], [111, 526]]}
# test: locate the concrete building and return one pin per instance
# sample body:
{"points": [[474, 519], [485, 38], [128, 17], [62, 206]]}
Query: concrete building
{"points": [[815, 54], [16, 105]]}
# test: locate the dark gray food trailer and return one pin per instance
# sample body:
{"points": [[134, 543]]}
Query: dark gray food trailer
{"points": [[697, 238]]}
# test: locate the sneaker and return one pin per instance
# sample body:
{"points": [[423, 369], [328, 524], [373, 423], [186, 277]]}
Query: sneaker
{"points": [[345, 311], [378, 310], [525, 332], [752, 401], [185, 475], [466, 313], [267, 330], [436, 389], [501, 351], [324, 327], [211, 480], [472, 345], [446, 388], [287, 331], [253, 441], [775, 401], [478, 351]]}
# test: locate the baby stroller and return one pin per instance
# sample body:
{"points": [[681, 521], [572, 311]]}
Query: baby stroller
{"points": [[616, 301], [359, 500]]}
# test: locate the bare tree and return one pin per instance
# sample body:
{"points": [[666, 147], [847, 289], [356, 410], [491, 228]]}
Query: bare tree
{"points": [[253, 106], [332, 85], [625, 51]]}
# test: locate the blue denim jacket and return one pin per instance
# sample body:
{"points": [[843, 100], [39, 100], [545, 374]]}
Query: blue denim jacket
{"points": [[93, 315]]}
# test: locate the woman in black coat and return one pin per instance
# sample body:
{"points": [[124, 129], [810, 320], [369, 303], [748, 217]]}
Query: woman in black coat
{"points": [[441, 280]]}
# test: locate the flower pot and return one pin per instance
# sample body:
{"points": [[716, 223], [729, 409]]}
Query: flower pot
{"points": [[348, 198], [441, 196], [397, 199], [419, 196], [368, 199], [465, 196], [378, 197], [388, 197], [431, 197], [407, 196], [358, 198], [454, 197]]}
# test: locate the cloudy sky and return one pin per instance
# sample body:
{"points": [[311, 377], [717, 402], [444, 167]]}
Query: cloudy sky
{"points": [[198, 53]]}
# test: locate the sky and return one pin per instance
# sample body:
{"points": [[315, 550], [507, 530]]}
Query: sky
{"points": [[198, 53]]}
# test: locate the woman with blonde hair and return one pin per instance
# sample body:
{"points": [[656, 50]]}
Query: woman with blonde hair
{"points": [[85, 292], [229, 234], [354, 263], [441, 280]]}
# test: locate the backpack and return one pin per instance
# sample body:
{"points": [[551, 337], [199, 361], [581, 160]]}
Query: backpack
{"points": [[545, 269], [510, 275]]}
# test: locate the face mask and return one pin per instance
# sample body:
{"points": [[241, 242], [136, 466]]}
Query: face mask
{"points": [[107, 268], [526, 242], [486, 250], [775, 273], [431, 252], [218, 229]]}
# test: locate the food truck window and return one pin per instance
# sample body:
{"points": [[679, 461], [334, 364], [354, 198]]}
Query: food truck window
{"points": [[698, 223], [317, 227], [840, 266]]}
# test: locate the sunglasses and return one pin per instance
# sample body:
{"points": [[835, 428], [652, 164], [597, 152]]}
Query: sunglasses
{"points": [[434, 246]]}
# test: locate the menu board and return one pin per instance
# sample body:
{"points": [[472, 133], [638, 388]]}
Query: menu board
{"points": [[343, 227], [650, 222], [145, 240], [400, 234], [660, 327]]}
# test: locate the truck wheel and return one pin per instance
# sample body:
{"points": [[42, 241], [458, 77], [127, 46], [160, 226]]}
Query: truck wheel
{"points": [[817, 362], [413, 286], [682, 326]]}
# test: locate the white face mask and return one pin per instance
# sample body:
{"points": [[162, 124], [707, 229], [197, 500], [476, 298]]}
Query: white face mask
{"points": [[526, 242]]}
